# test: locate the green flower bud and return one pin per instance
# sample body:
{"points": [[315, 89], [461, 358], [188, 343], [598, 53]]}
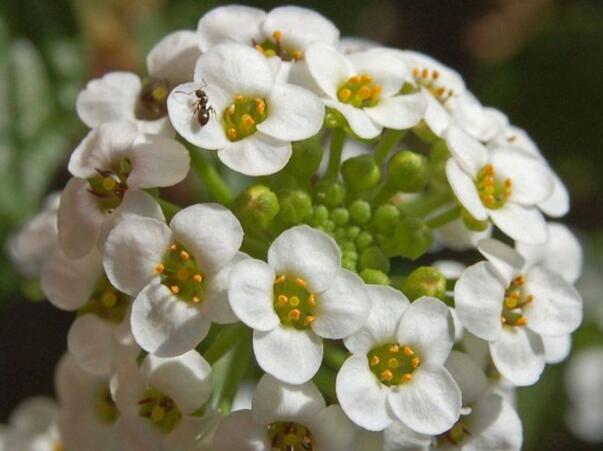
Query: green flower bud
{"points": [[413, 237], [256, 206], [348, 246], [320, 214], [352, 231], [350, 255], [329, 226], [374, 258], [334, 118], [361, 173], [296, 205], [386, 218], [339, 234], [374, 276], [425, 281], [340, 216], [350, 265], [407, 172], [331, 194], [438, 157], [364, 240], [360, 210], [471, 223], [306, 157]]}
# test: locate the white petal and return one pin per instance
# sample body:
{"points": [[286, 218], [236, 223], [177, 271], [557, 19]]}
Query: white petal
{"points": [[531, 178], [164, 325], [456, 236], [518, 355], [562, 252], [102, 148], [556, 349], [399, 112], [558, 203], [398, 437], [216, 302], [90, 340], [193, 433], [233, 23], [427, 324], [468, 375], [237, 69], [294, 113], [464, 188], [387, 307], [436, 117], [300, 26], [290, 355], [343, 308], [479, 294], [174, 57], [361, 396], [112, 97], [329, 68], [430, 403], [258, 154], [248, 436], [251, 296], [470, 154], [68, 284], [187, 379], [557, 306], [505, 259], [451, 269], [210, 232], [133, 250], [326, 422], [520, 223], [157, 162], [79, 219], [182, 106], [358, 119], [277, 401], [308, 253], [387, 70]]}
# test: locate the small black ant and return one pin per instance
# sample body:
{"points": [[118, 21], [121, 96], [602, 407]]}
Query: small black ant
{"points": [[200, 107]]}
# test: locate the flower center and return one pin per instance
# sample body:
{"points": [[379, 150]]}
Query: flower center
{"points": [[393, 364], [359, 91], [429, 80], [273, 46], [516, 299], [105, 407], [293, 303], [152, 101], [493, 191], [287, 436], [242, 116], [160, 409], [109, 186], [180, 273], [455, 435], [106, 302]]}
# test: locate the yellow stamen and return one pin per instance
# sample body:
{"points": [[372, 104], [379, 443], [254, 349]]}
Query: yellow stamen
{"points": [[520, 280], [280, 279], [196, 299], [364, 92], [394, 349], [425, 73], [232, 133], [414, 362], [529, 298], [184, 255], [294, 314], [386, 376], [173, 247], [408, 351], [312, 300], [366, 78], [415, 72], [407, 377], [277, 35], [282, 300], [175, 289], [375, 361], [309, 320], [198, 278], [344, 94], [260, 106], [510, 302], [435, 75], [239, 98], [247, 120], [297, 55], [231, 110], [159, 268], [301, 282], [521, 321]]}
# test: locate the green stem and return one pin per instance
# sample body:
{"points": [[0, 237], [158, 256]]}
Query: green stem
{"points": [[239, 363], [169, 209], [337, 141], [424, 205], [334, 356], [216, 186], [383, 194], [224, 341], [445, 218], [389, 139]]}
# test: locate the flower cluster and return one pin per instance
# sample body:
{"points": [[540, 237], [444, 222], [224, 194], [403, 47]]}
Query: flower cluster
{"points": [[302, 285]]}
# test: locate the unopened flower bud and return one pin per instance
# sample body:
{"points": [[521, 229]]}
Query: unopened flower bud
{"points": [[413, 237], [471, 223], [374, 276], [305, 158], [407, 172], [256, 206], [374, 258], [330, 193], [386, 218], [295, 206], [361, 173], [425, 281], [360, 210], [340, 216]]}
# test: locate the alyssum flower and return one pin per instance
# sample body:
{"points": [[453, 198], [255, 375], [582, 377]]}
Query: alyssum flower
{"points": [[254, 117], [177, 274], [299, 297]]}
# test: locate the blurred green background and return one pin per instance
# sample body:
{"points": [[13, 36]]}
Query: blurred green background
{"points": [[540, 61]]}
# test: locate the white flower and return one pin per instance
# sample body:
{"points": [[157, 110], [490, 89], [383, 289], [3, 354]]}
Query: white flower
{"points": [[396, 371], [110, 166], [365, 88], [33, 426], [101, 331], [456, 236], [300, 296], [252, 117], [482, 123], [178, 274], [505, 185], [354, 44], [156, 402], [511, 305], [173, 59], [121, 96], [30, 246], [584, 387], [286, 416], [88, 416]]}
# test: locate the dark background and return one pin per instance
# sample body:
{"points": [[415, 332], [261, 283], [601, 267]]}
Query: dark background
{"points": [[540, 61]]}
